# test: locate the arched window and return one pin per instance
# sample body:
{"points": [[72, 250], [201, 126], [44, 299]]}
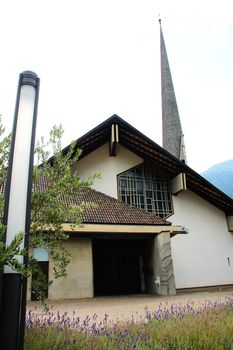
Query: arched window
{"points": [[144, 189]]}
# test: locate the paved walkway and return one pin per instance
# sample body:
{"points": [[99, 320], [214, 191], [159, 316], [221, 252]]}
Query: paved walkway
{"points": [[123, 307]]}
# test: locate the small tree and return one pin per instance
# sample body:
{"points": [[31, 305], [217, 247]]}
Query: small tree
{"points": [[55, 188]]}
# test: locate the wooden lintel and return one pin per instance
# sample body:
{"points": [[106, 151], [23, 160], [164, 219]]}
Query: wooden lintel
{"points": [[140, 229]]}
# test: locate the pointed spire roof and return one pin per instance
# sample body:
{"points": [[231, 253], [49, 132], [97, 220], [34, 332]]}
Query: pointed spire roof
{"points": [[173, 138]]}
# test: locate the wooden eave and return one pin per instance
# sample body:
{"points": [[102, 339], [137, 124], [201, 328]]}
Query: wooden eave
{"points": [[141, 145], [209, 192]]}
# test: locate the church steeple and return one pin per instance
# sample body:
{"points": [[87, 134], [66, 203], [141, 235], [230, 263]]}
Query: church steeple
{"points": [[173, 138]]}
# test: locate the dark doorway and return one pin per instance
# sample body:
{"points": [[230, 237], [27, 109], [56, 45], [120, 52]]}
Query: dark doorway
{"points": [[118, 266], [44, 268]]}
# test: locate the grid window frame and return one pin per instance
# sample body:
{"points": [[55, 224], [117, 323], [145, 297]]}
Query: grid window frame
{"points": [[143, 188]]}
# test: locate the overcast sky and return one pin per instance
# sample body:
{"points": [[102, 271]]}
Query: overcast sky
{"points": [[96, 58]]}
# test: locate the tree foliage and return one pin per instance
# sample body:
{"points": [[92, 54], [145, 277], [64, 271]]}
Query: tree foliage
{"points": [[56, 185], [8, 254]]}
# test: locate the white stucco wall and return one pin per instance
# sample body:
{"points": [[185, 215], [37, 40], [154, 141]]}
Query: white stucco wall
{"points": [[201, 257], [99, 161]]}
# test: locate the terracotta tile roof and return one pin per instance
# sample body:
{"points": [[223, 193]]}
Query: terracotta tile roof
{"points": [[108, 210], [103, 209]]}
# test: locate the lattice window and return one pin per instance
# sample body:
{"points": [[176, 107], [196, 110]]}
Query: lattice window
{"points": [[144, 189]]}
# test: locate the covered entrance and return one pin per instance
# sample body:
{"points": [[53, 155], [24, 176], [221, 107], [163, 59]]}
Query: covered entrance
{"points": [[122, 265]]}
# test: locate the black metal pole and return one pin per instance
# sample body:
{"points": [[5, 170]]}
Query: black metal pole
{"points": [[14, 289], [28, 212], [10, 313]]}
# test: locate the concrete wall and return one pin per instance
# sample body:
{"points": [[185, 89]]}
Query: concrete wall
{"points": [[79, 282], [99, 161], [204, 256], [163, 265], [158, 266]]}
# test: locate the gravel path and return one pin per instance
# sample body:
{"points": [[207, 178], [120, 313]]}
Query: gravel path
{"points": [[124, 307]]}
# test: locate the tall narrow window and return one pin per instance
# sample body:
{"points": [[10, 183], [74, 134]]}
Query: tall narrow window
{"points": [[41, 255], [144, 189]]}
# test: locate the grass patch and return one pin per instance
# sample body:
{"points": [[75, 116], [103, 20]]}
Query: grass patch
{"points": [[174, 327]]}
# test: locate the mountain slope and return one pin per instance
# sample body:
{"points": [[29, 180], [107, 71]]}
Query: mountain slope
{"points": [[221, 175]]}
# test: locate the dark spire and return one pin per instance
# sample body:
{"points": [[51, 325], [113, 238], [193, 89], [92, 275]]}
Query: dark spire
{"points": [[173, 140]]}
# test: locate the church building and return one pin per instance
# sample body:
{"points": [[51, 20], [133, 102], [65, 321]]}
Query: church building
{"points": [[157, 226]]}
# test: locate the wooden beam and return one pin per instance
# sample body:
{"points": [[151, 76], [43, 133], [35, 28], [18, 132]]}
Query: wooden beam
{"points": [[230, 223], [114, 140], [136, 229], [178, 183]]}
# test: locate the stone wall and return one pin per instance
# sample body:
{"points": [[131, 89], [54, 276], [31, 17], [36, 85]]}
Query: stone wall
{"points": [[79, 282]]}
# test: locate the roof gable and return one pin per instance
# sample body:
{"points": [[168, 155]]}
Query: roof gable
{"points": [[144, 147]]}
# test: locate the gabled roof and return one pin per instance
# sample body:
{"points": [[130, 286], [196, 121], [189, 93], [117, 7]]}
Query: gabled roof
{"points": [[138, 143]]}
